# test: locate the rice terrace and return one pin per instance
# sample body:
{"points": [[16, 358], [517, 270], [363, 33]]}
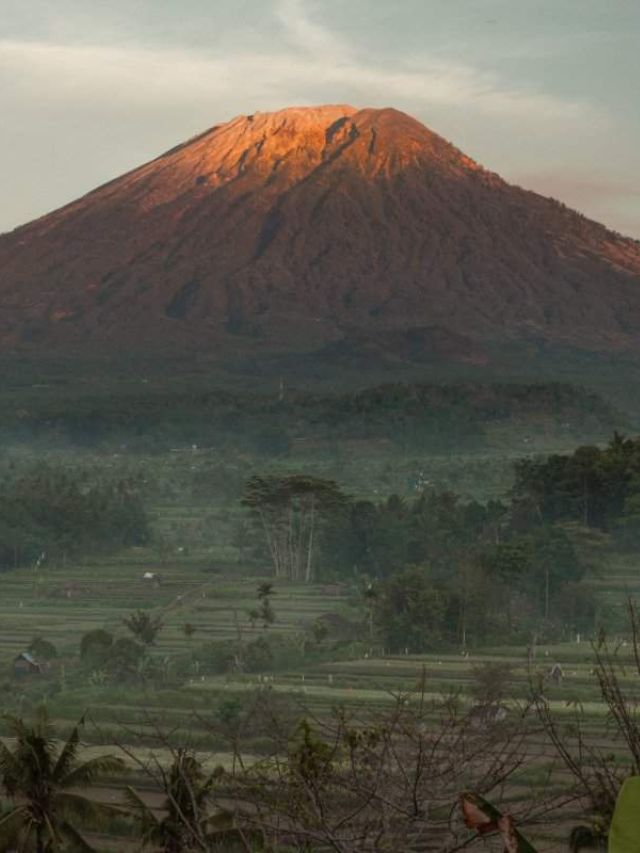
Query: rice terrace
{"points": [[167, 625]]}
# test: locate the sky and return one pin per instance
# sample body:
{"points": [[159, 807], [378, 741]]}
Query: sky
{"points": [[544, 92]]}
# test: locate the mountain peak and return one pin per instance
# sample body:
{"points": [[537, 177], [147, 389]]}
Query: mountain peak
{"points": [[298, 139], [297, 116], [291, 229]]}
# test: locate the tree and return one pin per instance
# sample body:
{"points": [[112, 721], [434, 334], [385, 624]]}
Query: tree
{"points": [[58, 511], [143, 626], [265, 611], [598, 775], [508, 566], [189, 629], [230, 720], [554, 562], [490, 681], [43, 649], [350, 539], [41, 782], [126, 659], [370, 597], [592, 485], [183, 823], [385, 780], [290, 510], [95, 646], [409, 611], [187, 822]]}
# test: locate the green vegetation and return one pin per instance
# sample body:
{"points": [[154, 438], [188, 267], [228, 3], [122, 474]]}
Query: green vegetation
{"points": [[186, 822], [42, 783], [47, 510], [411, 418], [319, 571], [625, 826], [600, 487]]}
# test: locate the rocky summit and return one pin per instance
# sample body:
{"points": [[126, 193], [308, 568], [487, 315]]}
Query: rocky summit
{"points": [[306, 230]]}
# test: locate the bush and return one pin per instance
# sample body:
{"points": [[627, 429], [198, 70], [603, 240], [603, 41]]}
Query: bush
{"points": [[95, 647], [49, 511], [43, 649]]}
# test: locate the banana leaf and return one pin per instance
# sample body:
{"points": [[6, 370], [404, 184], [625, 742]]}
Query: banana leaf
{"points": [[624, 835], [480, 815]]}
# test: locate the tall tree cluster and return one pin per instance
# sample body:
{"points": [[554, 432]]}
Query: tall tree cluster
{"points": [[598, 487], [291, 511], [438, 569], [55, 511]]}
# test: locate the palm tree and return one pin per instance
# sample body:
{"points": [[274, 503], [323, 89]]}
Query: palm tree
{"points": [[42, 781], [188, 821], [144, 627]]}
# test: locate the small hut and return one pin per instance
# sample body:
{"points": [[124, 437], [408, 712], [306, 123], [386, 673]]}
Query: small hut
{"points": [[25, 664]]}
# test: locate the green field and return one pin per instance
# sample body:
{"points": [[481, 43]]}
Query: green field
{"points": [[201, 549], [61, 603]]}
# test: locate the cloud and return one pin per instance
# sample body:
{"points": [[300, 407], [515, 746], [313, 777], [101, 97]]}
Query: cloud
{"points": [[316, 65], [423, 80], [104, 107], [311, 37]]}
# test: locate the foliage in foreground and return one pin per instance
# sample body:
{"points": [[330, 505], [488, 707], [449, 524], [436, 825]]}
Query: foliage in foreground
{"points": [[187, 821], [387, 780], [43, 784], [625, 825]]}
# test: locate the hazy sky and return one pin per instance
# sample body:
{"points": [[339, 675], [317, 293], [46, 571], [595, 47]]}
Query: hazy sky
{"points": [[546, 92]]}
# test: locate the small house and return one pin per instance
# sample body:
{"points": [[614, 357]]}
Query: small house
{"points": [[25, 664]]}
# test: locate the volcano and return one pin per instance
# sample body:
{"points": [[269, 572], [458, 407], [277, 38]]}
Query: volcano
{"points": [[300, 230]]}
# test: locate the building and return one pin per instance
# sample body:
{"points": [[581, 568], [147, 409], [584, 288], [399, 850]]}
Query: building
{"points": [[25, 664]]}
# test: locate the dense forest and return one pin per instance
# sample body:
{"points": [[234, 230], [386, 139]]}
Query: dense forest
{"points": [[436, 570], [440, 570], [416, 417], [47, 512]]}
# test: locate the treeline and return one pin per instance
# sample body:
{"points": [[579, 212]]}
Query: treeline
{"points": [[439, 569], [599, 487], [432, 418], [479, 570], [50, 512]]}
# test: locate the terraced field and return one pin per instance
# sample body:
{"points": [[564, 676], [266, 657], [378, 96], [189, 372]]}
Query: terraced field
{"points": [[60, 604], [205, 583]]}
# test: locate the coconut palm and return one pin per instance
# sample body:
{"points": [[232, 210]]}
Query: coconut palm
{"points": [[144, 627], [188, 821], [43, 782]]}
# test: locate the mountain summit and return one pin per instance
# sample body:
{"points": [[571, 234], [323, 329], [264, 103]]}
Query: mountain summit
{"points": [[300, 229]]}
